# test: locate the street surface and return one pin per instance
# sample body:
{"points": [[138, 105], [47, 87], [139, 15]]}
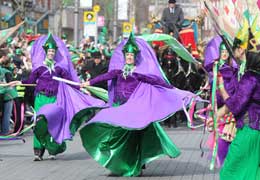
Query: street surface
{"points": [[75, 164]]}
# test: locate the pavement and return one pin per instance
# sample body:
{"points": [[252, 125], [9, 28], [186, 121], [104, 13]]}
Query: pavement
{"points": [[75, 164]]}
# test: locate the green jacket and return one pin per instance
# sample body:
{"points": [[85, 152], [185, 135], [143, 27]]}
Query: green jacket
{"points": [[9, 92]]}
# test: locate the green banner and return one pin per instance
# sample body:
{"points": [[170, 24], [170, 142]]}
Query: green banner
{"points": [[172, 42]]}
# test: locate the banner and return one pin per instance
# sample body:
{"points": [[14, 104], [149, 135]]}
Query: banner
{"points": [[6, 33]]}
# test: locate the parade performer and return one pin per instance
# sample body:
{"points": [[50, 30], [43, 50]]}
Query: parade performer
{"points": [[127, 135], [216, 52], [243, 158], [55, 102]]}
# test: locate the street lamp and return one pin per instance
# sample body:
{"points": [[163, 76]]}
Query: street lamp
{"points": [[76, 22], [115, 20]]}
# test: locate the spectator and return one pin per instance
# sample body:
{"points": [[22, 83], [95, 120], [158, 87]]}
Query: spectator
{"points": [[8, 93]]}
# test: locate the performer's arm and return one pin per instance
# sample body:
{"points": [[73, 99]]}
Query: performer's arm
{"points": [[105, 77], [238, 101], [65, 75], [33, 76], [153, 80]]}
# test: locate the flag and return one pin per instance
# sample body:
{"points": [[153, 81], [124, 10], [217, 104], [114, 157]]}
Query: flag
{"points": [[172, 42], [216, 11], [226, 9], [247, 15], [6, 33], [254, 25]]}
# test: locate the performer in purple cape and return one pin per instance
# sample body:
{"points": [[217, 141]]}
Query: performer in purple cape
{"points": [[217, 51], [127, 135], [55, 102], [243, 158]]}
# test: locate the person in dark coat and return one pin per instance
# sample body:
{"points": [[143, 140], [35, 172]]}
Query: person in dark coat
{"points": [[172, 18], [96, 67]]}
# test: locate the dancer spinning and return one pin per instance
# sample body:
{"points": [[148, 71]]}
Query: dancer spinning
{"points": [[127, 135], [55, 102]]}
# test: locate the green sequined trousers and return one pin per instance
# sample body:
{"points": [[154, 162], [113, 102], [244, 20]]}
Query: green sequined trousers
{"points": [[124, 151], [243, 158], [42, 139]]}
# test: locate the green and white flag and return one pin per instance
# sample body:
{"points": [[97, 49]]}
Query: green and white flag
{"points": [[6, 33]]}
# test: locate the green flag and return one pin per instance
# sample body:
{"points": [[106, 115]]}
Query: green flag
{"points": [[6, 33], [172, 42], [247, 15]]}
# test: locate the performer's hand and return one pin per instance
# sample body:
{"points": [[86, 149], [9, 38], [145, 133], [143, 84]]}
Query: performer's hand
{"points": [[14, 83], [210, 124], [84, 84], [220, 80]]}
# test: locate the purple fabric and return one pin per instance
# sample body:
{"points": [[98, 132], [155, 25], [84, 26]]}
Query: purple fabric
{"points": [[244, 100], [223, 147], [229, 75], [212, 53], [62, 56], [59, 114], [44, 80], [146, 62], [125, 87], [69, 100], [148, 103]]}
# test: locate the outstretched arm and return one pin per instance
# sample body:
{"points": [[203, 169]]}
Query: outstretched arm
{"points": [[153, 80], [105, 77], [34, 76]]}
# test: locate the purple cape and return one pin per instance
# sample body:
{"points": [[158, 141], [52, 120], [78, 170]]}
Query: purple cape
{"points": [[148, 103], [69, 100], [60, 114], [212, 52]]}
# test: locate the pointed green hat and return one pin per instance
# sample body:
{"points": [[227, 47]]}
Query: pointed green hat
{"points": [[131, 46], [75, 58], [222, 46], [50, 43]]}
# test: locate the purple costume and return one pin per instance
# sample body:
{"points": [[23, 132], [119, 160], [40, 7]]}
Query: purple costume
{"points": [[69, 100], [246, 99], [243, 158], [136, 104], [229, 74], [125, 87], [45, 83]]}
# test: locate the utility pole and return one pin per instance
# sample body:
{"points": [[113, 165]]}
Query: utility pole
{"points": [[76, 23], [115, 21]]}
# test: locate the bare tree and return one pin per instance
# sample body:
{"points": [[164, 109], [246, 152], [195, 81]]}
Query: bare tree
{"points": [[141, 13]]}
